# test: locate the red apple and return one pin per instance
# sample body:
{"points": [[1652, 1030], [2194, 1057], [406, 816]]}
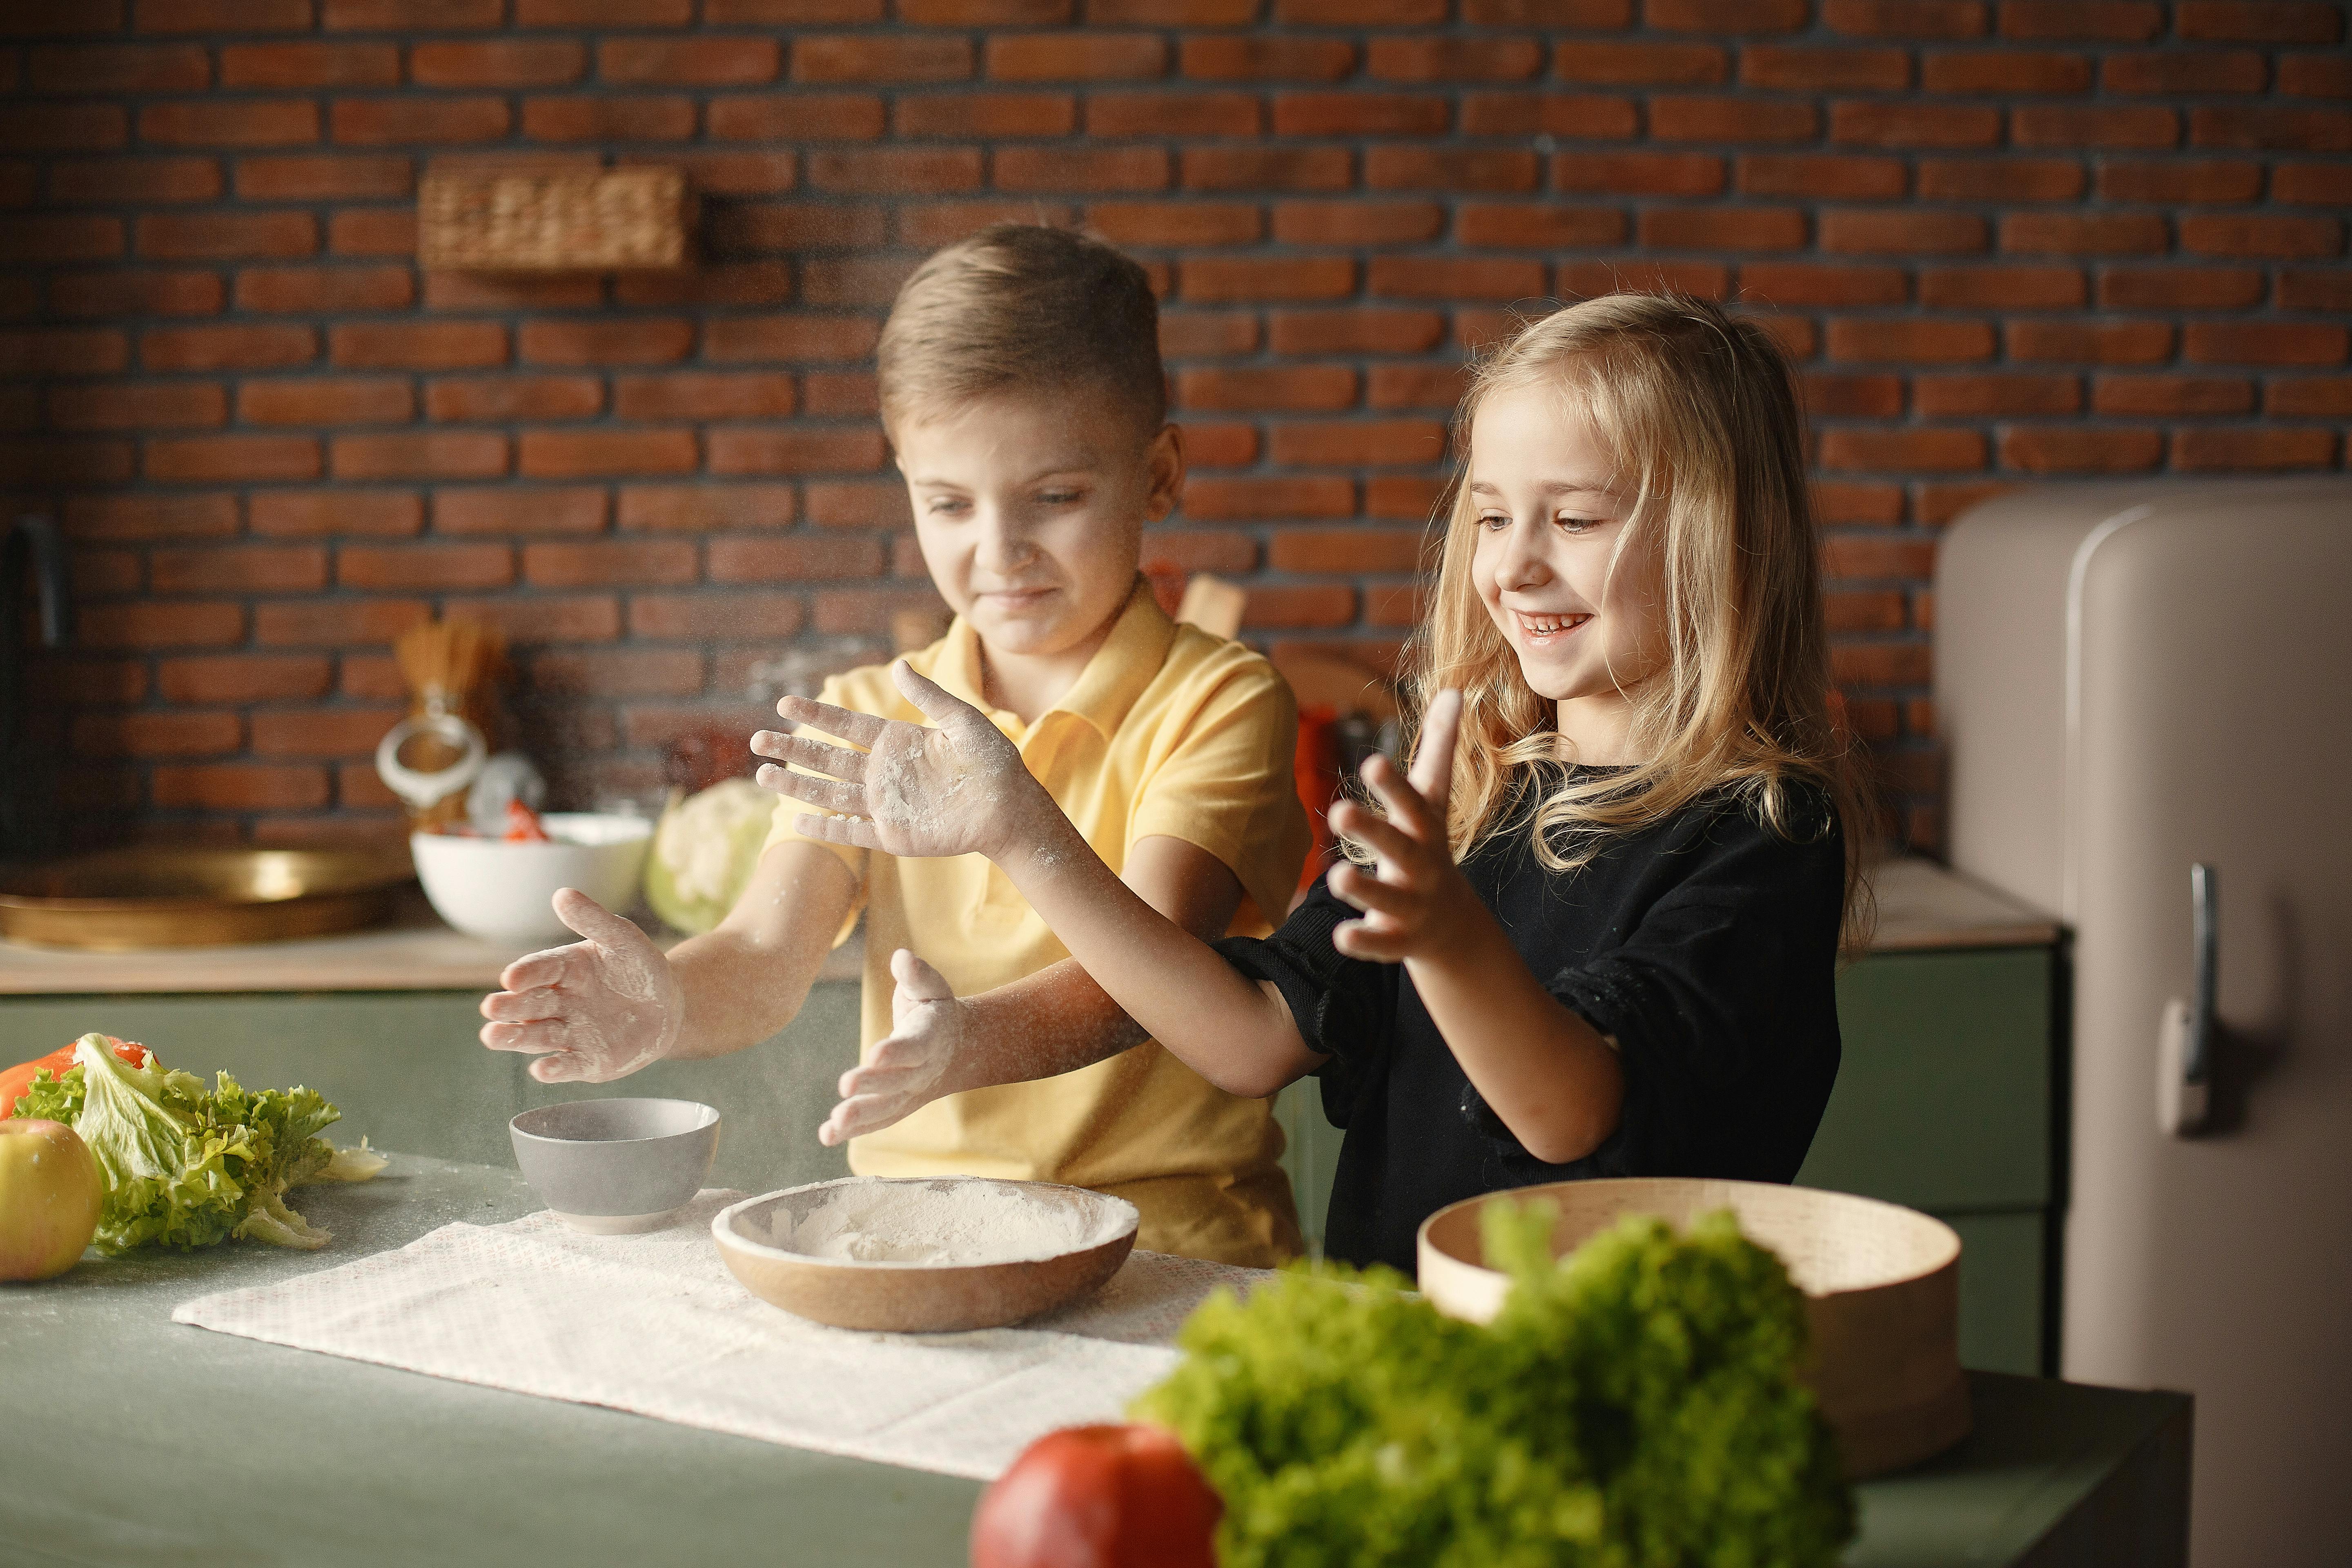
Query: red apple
{"points": [[50, 1190], [1099, 1497]]}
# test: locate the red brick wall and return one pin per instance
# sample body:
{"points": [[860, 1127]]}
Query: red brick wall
{"points": [[2036, 239]]}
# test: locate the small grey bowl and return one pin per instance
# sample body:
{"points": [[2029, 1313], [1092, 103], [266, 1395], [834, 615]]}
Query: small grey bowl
{"points": [[613, 1166]]}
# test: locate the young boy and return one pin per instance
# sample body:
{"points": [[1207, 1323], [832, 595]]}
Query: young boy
{"points": [[1023, 396]]}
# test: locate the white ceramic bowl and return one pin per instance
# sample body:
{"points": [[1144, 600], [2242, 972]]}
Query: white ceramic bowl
{"points": [[490, 888], [613, 1167]]}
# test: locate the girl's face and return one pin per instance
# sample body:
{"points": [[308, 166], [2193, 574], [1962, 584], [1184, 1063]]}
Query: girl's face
{"points": [[1578, 604]]}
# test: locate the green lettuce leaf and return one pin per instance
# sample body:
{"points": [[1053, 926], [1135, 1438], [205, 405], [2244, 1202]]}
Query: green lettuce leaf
{"points": [[166, 1182], [284, 1126], [272, 1221], [184, 1167], [51, 1097]]}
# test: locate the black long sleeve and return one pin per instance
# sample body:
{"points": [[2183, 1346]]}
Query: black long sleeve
{"points": [[1705, 946]]}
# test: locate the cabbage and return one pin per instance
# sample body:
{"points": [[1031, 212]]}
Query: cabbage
{"points": [[182, 1167], [704, 852], [1637, 1404]]}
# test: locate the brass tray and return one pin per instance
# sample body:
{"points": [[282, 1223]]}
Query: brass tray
{"points": [[153, 896]]}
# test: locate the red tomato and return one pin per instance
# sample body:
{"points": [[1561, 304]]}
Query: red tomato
{"points": [[522, 825], [1099, 1497]]}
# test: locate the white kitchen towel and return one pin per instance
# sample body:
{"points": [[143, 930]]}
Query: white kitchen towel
{"points": [[654, 1324]]}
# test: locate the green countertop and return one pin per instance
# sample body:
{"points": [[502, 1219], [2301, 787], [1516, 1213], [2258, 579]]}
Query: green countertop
{"points": [[129, 1439]]}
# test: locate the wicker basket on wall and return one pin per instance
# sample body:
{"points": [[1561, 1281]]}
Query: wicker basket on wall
{"points": [[610, 220]]}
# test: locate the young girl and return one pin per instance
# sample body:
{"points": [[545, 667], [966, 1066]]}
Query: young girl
{"points": [[1595, 933]]}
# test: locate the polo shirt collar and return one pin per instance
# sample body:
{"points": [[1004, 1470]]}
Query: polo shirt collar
{"points": [[958, 667], [1127, 662]]}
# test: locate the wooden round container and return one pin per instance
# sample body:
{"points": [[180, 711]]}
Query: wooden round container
{"points": [[918, 1297], [1881, 1283]]}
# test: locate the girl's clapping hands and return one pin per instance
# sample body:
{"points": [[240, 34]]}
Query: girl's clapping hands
{"points": [[1414, 899]]}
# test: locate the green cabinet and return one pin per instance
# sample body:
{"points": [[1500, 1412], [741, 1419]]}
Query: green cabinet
{"points": [[1943, 1093], [1944, 1102], [2005, 1289]]}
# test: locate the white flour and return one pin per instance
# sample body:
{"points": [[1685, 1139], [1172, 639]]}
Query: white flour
{"points": [[947, 1221]]}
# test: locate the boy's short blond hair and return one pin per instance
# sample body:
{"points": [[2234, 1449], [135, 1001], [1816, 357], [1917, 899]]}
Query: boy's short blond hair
{"points": [[1022, 306]]}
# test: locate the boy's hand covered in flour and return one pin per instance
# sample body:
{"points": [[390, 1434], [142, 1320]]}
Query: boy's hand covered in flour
{"points": [[593, 1012], [958, 788], [902, 1073]]}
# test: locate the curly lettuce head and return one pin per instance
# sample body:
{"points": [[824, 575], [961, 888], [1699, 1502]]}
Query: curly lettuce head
{"points": [[1685, 1351], [1346, 1423], [165, 1182], [182, 1167], [1635, 1404]]}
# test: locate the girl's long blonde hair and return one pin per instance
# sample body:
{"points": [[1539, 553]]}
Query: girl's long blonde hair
{"points": [[1702, 413]]}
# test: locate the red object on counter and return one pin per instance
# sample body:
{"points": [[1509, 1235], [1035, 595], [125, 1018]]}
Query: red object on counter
{"points": [[18, 1078], [1316, 764], [522, 825], [1099, 1497]]}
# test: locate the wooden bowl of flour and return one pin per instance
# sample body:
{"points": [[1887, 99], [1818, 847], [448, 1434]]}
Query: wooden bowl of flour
{"points": [[924, 1254], [1882, 1288]]}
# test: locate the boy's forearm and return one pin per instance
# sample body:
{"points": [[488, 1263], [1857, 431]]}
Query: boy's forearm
{"points": [[1174, 987], [1552, 1078], [738, 994], [748, 978], [1054, 1021]]}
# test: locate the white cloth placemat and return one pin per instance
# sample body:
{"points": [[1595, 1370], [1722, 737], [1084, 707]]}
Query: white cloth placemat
{"points": [[654, 1324]]}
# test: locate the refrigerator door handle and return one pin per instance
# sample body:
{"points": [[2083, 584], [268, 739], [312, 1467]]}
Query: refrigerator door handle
{"points": [[2184, 1049]]}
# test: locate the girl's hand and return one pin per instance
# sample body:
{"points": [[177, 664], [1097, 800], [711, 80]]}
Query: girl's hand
{"points": [[593, 1012], [960, 788], [1415, 899], [929, 1028]]}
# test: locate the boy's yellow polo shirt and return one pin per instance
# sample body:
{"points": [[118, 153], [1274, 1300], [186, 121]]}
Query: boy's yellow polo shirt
{"points": [[1169, 731]]}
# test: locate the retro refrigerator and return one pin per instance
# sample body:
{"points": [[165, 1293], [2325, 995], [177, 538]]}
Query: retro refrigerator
{"points": [[2145, 692]]}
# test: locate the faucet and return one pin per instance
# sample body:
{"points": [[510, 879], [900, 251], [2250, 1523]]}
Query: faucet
{"points": [[28, 808]]}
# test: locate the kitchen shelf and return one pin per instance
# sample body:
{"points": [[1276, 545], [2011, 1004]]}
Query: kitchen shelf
{"points": [[414, 952]]}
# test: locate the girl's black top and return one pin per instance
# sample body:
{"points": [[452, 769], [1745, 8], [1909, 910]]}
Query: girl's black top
{"points": [[1706, 945]]}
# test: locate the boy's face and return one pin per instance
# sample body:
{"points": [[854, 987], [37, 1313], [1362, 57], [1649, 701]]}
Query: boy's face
{"points": [[1581, 614], [1029, 508]]}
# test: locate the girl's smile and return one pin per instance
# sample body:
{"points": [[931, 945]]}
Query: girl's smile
{"points": [[1538, 632]]}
